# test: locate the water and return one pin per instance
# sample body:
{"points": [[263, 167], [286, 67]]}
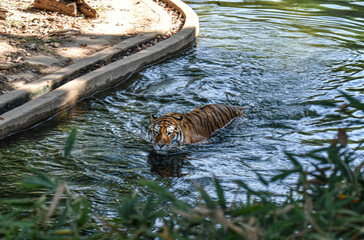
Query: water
{"points": [[266, 54]]}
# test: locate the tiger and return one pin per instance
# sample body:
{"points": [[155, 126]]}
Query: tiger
{"points": [[174, 129]]}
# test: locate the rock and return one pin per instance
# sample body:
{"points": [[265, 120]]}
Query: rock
{"points": [[3, 12], [55, 44], [3, 78], [4, 85], [32, 46]]}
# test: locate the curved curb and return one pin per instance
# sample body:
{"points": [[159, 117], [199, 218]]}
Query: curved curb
{"points": [[48, 104], [51, 81]]}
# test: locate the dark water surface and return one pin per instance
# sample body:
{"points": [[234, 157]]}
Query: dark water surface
{"points": [[268, 54]]}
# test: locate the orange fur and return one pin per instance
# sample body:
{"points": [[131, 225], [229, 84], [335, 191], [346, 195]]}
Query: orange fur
{"points": [[175, 128]]}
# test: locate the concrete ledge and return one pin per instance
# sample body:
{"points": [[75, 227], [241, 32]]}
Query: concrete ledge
{"points": [[48, 104], [47, 83]]}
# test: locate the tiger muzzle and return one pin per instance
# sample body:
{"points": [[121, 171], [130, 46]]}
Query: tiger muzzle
{"points": [[160, 146]]}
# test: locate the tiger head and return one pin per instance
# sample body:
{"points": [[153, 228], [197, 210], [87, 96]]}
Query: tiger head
{"points": [[165, 132]]}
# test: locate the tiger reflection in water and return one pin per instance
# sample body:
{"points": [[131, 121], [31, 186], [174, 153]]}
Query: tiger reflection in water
{"points": [[166, 165], [174, 129]]}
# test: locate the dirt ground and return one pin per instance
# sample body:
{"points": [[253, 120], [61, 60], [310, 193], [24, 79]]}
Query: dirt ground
{"points": [[34, 43]]}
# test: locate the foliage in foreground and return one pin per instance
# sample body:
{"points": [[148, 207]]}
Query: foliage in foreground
{"points": [[326, 202]]}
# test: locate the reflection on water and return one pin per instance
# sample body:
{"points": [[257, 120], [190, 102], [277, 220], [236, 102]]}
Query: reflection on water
{"points": [[167, 165], [272, 55]]}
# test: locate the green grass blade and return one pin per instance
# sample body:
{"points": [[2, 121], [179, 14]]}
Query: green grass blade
{"points": [[69, 142]]}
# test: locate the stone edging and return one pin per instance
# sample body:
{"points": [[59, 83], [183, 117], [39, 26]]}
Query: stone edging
{"points": [[51, 81], [37, 101]]}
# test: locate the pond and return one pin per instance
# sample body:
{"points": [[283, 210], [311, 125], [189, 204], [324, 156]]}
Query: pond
{"points": [[269, 55]]}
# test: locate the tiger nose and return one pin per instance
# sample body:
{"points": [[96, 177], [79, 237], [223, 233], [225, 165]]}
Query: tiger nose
{"points": [[161, 145]]}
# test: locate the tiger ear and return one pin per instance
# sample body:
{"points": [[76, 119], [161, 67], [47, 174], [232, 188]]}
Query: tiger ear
{"points": [[179, 118], [153, 117]]}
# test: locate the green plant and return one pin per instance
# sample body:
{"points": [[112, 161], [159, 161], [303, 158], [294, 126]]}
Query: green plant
{"points": [[55, 214], [326, 202]]}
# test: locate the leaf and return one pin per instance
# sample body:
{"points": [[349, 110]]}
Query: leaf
{"points": [[293, 160], [26, 202], [56, 197], [342, 137], [353, 102], [62, 218], [160, 191], [327, 103], [69, 142], [261, 179], [345, 105], [128, 210], [263, 195], [284, 174], [84, 214], [220, 193], [246, 210], [39, 179], [206, 197], [149, 210]]}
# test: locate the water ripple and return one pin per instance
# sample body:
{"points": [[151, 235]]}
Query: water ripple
{"points": [[271, 55]]}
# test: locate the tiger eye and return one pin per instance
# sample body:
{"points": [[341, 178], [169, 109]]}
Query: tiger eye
{"points": [[156, 130]]}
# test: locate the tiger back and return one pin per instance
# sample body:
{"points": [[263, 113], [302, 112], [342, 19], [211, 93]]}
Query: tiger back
{"points": [[174, 129]]}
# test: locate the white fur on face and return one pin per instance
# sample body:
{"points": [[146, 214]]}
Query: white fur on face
{"points": [[170, 129], [156, 129]]}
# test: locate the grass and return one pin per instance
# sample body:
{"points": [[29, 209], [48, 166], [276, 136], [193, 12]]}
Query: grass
{"points": [[326, 202]]}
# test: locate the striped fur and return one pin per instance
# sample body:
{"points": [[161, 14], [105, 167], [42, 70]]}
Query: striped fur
{"points": [[174, 129]]}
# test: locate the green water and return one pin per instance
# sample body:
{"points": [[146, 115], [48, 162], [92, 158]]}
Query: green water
{"points": [[267, 54]]}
